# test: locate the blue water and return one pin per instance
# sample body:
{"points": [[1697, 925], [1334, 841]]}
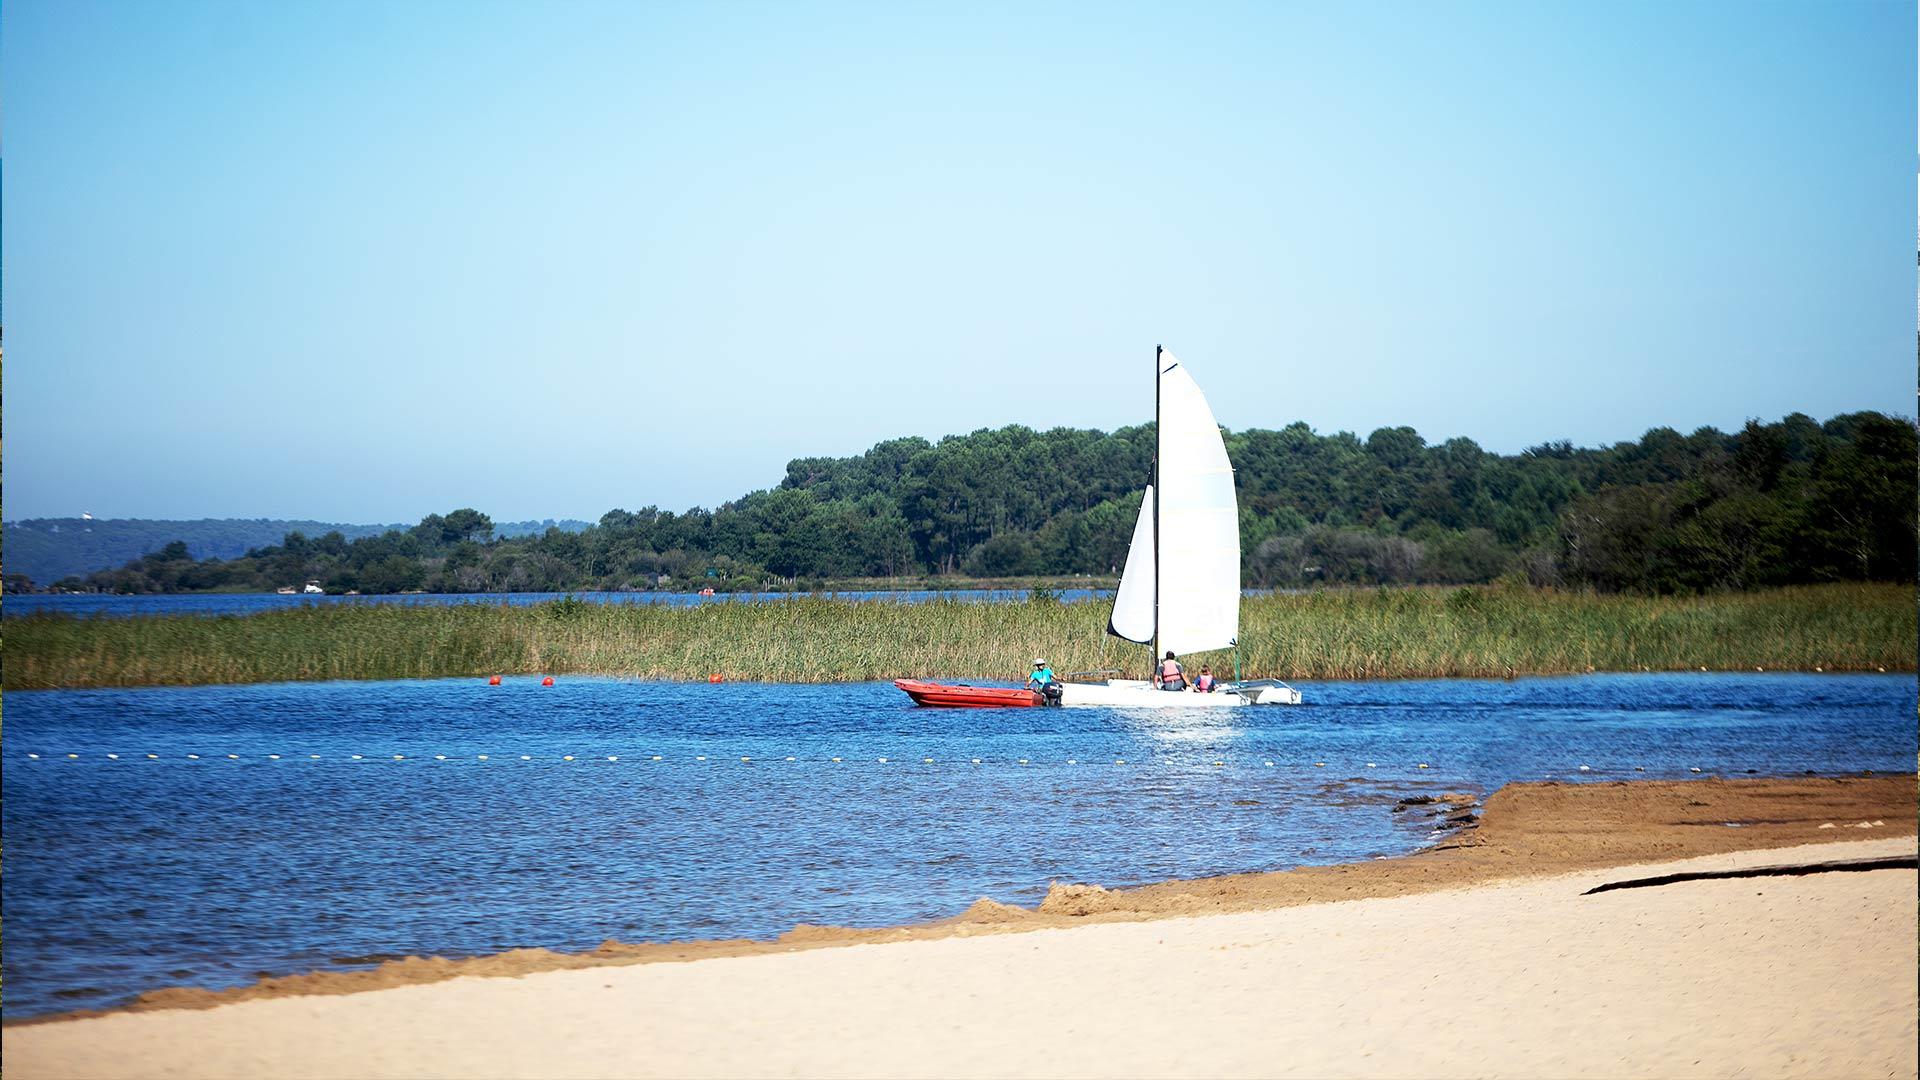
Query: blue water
{"points": [[130, 874], [110, 606]]}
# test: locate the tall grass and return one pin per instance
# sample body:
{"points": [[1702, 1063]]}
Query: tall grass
{"points": [[1346, 634]]}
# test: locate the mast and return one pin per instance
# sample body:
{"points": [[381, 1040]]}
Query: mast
{"points": [[1158, 497]]}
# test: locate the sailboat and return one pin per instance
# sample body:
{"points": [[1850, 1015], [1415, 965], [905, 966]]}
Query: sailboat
{"points": [[1180, 591]]}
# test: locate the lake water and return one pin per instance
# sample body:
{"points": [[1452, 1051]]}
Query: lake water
{"points": [[131, 874], [109, 606]]}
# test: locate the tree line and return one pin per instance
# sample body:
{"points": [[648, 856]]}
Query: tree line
{"points": [[49, 549], [1786, 502]]}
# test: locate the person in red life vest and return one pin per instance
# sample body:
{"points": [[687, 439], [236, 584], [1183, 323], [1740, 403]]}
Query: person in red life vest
{"points": [[1171, 675], [1205, 684]]}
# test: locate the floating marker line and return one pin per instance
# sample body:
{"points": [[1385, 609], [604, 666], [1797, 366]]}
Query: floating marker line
{"points": [[1174, 762], [745, 758]]}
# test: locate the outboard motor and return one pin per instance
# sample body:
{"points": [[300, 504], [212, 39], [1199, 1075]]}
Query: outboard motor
{"points": [[1050, 694]]}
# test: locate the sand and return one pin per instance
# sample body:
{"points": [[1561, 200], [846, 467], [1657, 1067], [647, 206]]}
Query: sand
{"points": [[1480, 959]]}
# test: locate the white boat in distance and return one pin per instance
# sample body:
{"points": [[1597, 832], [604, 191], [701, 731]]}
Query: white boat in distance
{"points": [[1180, 591]]}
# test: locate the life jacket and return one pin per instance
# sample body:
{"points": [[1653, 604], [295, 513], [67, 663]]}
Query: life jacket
{"points": [[1204, 684], [1170, 672]]}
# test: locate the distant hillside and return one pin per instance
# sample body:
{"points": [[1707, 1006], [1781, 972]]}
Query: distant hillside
{"points": [[48, 549], [1790, 502], [507, 529]]}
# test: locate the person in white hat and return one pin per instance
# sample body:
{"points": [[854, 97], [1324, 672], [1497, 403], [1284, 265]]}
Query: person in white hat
{"points": [[1042, 676]]}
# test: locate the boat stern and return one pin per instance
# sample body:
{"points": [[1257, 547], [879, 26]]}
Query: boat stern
{"points": [[1273, 695]]}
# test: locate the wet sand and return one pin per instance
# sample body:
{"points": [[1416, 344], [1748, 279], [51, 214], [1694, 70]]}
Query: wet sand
{"points": [[1479, 956]]}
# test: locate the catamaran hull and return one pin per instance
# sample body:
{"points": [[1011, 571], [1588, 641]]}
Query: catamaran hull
{"points": [[1139, 694], [1117, 694], [1279, 694]]}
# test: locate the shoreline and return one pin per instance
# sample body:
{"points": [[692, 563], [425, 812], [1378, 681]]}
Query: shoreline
{"points": [[821, 587], [1526, 831]]}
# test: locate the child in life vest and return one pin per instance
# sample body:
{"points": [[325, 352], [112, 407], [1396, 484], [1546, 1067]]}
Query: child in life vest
{"points": [[1205, 684]]}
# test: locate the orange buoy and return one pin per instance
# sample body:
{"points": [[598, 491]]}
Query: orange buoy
{"points": [[548, 681], [495, 681], [714, 678]]}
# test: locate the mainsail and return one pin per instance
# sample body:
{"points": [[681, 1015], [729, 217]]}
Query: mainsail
{"points": [[1192, 596]]}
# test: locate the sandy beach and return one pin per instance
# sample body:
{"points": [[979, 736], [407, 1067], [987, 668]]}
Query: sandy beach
{"points": [[1484, 957]]}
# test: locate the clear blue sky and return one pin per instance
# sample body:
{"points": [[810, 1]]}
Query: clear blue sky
{"points": [[362, 262]]}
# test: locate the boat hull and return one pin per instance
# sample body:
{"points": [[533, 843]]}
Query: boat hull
{"points": [[1139, 694], [949, 696], [1115, 694], [1270, 695]]}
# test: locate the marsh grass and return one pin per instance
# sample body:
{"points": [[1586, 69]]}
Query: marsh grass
{"points": [[1333, 634]]}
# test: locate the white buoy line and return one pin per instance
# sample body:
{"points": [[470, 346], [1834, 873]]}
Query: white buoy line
{"points": [[748, 759], [745, 759]]}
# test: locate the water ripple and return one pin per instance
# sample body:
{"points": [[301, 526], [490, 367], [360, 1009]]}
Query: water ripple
{"points": [[130, 873]]}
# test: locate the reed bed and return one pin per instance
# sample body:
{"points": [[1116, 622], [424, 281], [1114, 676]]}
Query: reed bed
{"points": [[1333, 634]]}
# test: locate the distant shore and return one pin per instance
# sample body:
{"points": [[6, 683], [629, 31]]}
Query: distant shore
{"points": [[694, 586], [1489, 632], [1497, 911]]}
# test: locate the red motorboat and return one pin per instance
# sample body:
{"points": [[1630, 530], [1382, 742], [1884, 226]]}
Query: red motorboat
{"points": [[966, 697]]}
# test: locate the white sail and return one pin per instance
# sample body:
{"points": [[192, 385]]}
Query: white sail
{"points": [[1133, 602], [1199, 549]]}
